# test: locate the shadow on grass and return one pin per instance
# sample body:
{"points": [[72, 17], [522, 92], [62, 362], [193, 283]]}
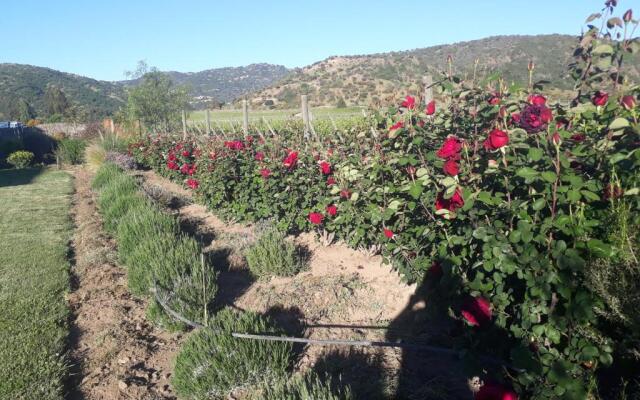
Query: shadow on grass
{"points": [[17, 177]]}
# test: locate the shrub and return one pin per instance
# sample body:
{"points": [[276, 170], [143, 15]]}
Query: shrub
{"points": [[123, 161], [20, 159], [94, 156], [272, 255], [183, 278], [213, 364], [71, 151], [106, 173], [302, 387]]}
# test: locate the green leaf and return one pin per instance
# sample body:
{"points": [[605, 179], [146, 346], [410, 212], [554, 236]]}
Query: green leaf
{"points": [[619, 123], [527, 173], [549, 176]]}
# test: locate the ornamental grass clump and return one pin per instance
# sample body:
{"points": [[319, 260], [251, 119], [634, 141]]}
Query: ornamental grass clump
{"points": [[212, 364], [273, 255], [303, 387]]}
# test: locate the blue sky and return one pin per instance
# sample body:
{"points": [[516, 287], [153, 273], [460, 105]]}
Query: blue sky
{"points": [[102, 39]]}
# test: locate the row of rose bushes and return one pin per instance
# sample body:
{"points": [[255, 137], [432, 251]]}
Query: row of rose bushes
{"points": [[499, 195]]}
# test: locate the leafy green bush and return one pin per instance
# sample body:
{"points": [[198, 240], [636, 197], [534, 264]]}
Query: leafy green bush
{"points": [[71, 151], [20, 159], [273, 255], [213, 364], [302, 387]]}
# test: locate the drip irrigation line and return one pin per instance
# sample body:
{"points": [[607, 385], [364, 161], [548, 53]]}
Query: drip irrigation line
{"points": [[328, 342]]}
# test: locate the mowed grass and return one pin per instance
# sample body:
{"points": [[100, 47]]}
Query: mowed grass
{"points": [[271, 115], [35, 229]]}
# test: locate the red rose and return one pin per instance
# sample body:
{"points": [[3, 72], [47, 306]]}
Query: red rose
{"points": [[431, 108], [265, 172], [600, 98], [537, 100], [493, 391], [316, 218], [332, 210], [628, 102], [456, 201], [185, 153], [291, 159], [409, 102], [388, 233], [325, 168], [396, 126], [578, 137], [193, 184], [496, 140], [534, 118], [476, 311], [345, 194], [331, 181], [259, 156], [450, 167], [450, 148]]}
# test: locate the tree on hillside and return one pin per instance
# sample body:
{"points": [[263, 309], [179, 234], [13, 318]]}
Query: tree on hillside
{"points": [[55, 101], [25, 111], [156, 102]]}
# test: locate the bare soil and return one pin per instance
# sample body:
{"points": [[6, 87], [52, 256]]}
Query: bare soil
{"points": [[118, 354]]}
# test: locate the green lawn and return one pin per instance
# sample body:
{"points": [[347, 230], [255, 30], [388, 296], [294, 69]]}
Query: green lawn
{"points": [[35, 229], [236, 115]]}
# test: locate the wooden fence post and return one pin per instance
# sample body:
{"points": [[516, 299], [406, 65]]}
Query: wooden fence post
{"points": [[305, 114], [245, 116], [208, 119], [428, 90], [184, 125]]}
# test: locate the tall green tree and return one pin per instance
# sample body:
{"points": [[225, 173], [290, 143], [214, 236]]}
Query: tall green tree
{"points": [[55, 101], [156, 102]]}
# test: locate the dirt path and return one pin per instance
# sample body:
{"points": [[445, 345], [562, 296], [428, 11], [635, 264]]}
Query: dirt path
{"points": [[118, 354]]}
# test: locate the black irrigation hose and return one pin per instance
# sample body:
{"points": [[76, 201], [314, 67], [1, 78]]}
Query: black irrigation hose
{"points": [[328, 342]]}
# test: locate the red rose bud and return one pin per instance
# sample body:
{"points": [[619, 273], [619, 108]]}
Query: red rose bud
{"points": [[265, 172], [192, 183], [396, 126], [496, 140], [409, 103], [456, 201], [331, 181], [291, 159], [332, 210], [537, 100], [450, 148], [388, 233], [325, 168], [431, 108], [345, 194], [628, 102], [628, 16], [493, 391], [600, 98], [450, 167], [316, 218], [476, 311], [259, 156]]}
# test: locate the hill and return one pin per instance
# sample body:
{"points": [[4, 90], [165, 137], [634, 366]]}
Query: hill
{"points": [[94, 98], [371, 79], [226, 84]]}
